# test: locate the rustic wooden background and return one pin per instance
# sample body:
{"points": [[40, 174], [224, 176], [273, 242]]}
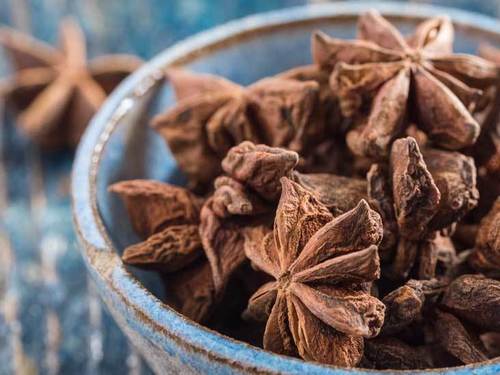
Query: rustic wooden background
{"points": [[51, 320]]}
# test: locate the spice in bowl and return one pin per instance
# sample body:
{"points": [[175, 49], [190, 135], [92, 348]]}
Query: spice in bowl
{"points": [[336, 212]]}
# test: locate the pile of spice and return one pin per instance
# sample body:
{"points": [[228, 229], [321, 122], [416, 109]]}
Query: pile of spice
{"points": [[345, 212]]}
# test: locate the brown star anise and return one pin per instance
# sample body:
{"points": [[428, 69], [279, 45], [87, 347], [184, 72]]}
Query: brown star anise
{"points": [[58, 90], [167, 217], [318, 307], [385, 69], [487, 149], [432, 190], [214, 114], [486, 254], [240, 203]]}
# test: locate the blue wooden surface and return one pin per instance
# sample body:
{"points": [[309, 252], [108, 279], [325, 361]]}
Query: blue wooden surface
{"points": [[51, 320]]}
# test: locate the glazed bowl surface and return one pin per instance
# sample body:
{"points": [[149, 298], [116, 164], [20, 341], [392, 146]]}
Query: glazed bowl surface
{"points": [[119, 145]]}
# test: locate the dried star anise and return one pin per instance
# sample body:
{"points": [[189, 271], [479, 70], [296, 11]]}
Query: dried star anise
{"points": [[416, 196], [58, 90], [453, 337], [317, 307], [475, 299], [487, 148], [214, 114], [167, 217], [312, 179], [486, 254], [392, 353], [385, 69], [405, 304], [241, 201]]}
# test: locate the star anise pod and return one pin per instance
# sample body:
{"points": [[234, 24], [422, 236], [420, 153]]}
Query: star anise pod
{"points": [[405, 304], [416, 196], [318, 306], [486, 254], [167, 218], [470, 302], [487, 149], [57, 90], [392, 353], [454, 337], [431, 191], [385, 69], [475, 299], [341, 194], [241, 202], [338, 193], [213, 114]]}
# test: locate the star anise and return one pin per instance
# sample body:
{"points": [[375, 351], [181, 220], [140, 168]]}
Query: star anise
{"points": [[487, 149], [58, 90], [486, 254], [167, 218], [241, 203], [385, 69], [431, 191], [214, 114], [318, 306]]}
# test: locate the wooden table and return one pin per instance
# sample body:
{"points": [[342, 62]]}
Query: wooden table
{"points": [[51, 319]]}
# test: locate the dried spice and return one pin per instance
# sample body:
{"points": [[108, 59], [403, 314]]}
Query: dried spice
{"points": [[380, 197], [57, 91], [486, 254], [338, 193], [167, 217], [487, 148], [454, 338], [416, 196], [191, 291], [455, 177], [384, 68], [317, 263], [213, 114], [475, 299], [260, 167], [336, 224], [391, 353]]}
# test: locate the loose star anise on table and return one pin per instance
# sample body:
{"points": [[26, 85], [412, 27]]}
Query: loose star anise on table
{"points": [[392, 73], [57, 91], [319, 306], [213, 114]]}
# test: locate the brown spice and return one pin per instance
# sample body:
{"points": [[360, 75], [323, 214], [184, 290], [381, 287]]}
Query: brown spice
{"points": [[385, 67], [308, 254], [57, 91]]}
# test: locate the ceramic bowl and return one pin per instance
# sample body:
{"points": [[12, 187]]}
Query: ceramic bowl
{"points": [[119, 145]]}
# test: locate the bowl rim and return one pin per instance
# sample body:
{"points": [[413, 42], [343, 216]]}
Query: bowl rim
{"points": [[97, 249]]}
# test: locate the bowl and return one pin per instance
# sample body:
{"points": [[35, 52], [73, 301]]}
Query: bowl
{"points": [[120, 145]]}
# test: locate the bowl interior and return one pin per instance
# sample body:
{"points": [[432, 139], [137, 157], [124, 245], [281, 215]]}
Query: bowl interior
{"points": [[133, 150]]}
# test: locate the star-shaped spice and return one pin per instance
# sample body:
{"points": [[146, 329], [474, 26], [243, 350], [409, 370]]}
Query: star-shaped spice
{"points": [[486, 254], [318, 307], [487, 149], [386, 70], [57, 91], [242, 200], [167, 218], [431, 190], [213, 114]]}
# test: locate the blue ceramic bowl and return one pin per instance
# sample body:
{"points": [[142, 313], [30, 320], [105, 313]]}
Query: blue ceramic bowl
{"points": [[119, 145]]}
